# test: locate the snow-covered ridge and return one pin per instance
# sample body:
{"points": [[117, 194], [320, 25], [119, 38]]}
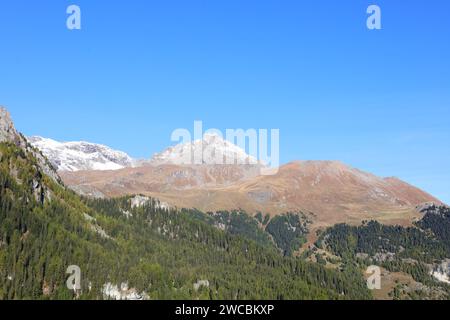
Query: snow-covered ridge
{"points": [[212, 149], [81, 155], [76, 156]]}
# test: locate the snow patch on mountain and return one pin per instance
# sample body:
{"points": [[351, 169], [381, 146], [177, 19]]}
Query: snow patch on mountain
{"points": [[77, 156]]}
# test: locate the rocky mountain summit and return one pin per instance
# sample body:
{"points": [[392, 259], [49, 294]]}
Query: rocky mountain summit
{"points": [[210, 150], [8, 133]]}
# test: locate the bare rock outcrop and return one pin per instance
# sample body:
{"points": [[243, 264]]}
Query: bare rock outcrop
{"points": [[8, 133]]}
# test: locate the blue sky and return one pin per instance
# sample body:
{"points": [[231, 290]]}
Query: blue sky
{"points": [[377, 100]]}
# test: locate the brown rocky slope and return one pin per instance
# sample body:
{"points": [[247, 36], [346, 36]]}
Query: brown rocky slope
{"points": [[332, 191]]}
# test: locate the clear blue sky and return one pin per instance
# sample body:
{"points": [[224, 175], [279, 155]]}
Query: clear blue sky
{"points": [[377, 100]]}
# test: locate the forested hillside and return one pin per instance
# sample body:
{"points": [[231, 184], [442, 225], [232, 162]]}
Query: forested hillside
{"points": [[417, 250], [44, 228]]}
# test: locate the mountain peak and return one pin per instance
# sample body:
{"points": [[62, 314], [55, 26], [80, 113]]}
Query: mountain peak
{"points": [[81, 155], [212, 149], [7, 131]]}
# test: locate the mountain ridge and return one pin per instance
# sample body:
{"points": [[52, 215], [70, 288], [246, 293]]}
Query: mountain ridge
{"points": [[331, 190], [81, 155]]}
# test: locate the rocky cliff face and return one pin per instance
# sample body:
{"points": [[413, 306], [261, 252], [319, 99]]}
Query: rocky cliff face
{"points": [[9, 134], [7, 131]]}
